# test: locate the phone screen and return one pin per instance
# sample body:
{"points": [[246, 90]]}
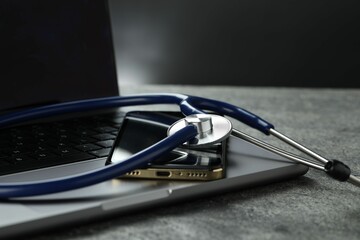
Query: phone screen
{"points": [[142, 129]]}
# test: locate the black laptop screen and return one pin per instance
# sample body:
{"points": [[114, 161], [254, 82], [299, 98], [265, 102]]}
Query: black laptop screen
{"points": [[55, 51]]}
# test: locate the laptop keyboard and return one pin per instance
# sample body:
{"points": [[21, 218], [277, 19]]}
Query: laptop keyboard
{"points": [[49, 144]]}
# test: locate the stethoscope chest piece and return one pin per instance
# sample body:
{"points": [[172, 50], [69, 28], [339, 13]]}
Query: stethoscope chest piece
{"points": [[211, 129]]}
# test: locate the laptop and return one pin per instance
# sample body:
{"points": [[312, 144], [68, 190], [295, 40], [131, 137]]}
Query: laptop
{"points": [[59, 51]]}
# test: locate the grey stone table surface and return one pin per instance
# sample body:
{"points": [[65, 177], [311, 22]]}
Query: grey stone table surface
{"points": [[309, 207]]}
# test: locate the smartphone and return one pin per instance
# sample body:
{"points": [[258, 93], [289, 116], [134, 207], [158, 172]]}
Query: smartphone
{"points": [[142, 129]]}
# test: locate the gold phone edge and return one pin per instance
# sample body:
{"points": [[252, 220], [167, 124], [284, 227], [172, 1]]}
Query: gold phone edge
{"points": [[176, 174]]}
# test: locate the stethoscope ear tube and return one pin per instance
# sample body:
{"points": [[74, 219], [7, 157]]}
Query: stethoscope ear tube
{"points": [[341, 172], [334, 168]]}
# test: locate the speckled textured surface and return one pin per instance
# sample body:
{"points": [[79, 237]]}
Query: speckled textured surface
{"points": [[309, 207]]}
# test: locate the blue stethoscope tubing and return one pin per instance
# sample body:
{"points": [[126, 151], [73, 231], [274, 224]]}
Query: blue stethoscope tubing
{"points": [[140, 159], [188, 105]]}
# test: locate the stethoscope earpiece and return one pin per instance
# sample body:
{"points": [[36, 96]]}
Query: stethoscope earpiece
{"points": [[337, 170]]}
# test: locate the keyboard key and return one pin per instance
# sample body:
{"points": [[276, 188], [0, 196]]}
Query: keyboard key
{"points": [[82, 140], [20, 158], [104, 136], [105, 129], [43, 155], [41, 145], [66, 151], [88, 147], [86, 132], [18, 151], [115, 133], [101, 152], [106, 143]]}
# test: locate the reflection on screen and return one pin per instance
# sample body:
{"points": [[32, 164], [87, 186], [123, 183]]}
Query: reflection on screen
{"points": [[136, 135]]}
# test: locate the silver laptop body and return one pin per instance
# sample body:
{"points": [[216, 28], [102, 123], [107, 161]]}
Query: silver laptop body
{"points": [[65, 53]]}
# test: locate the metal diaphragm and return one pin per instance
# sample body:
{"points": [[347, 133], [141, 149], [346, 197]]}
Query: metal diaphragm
{"points": [[211, 129]]}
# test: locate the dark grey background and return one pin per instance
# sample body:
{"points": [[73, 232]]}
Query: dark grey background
{"points": [[238, 42]]}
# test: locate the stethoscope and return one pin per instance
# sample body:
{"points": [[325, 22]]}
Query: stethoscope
{"points": [[197, 129]]}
